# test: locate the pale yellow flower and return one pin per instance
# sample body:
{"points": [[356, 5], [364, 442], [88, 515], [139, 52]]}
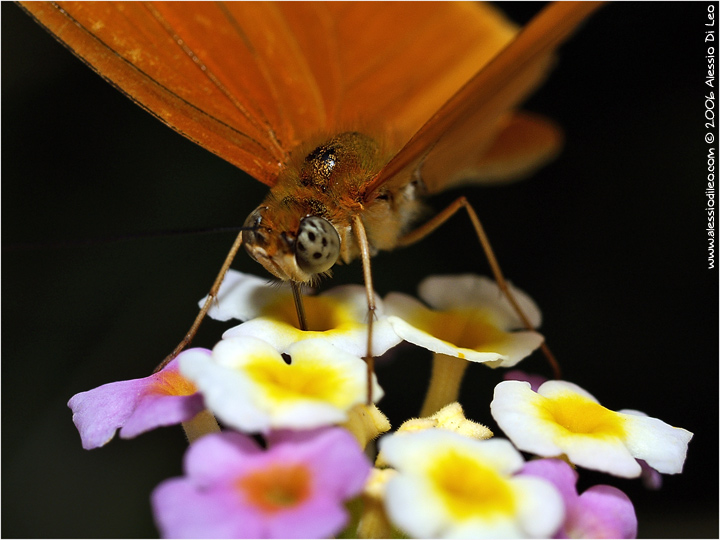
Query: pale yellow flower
{"points": [[563, 419], [468, 318], [248, 385], [451, 486]]}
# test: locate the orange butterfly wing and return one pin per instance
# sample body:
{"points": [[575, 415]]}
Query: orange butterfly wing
{"points": [[456, 140], [126, 45], [251, 81]]}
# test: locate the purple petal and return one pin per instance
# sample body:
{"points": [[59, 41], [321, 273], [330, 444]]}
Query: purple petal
{"points": [[214, 500], [651, 479], [98, 413], [183, 511], [322, 516], [338, 463], [559, 473], [157, 411], [519, 375], [136, 406], [216, 457], [602, 512]]}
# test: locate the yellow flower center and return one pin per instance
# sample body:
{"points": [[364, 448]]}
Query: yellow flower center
{"points": [[171, 383], [582, 416], [465, 328], [321, 314], [471, 489], [309, 379], [276, 487]]}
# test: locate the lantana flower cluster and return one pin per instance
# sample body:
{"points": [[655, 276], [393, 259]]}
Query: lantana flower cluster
{"points": [[283, 441]]}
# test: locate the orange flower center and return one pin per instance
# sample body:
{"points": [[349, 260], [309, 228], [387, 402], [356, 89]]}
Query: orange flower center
{"points": [[277, 487], [171, 383]]}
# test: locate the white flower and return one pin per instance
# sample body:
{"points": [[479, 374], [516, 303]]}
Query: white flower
{"points": [[248, 385], [470, 318], [338, 315], [562, 418], [451, 486], [242, 296]]}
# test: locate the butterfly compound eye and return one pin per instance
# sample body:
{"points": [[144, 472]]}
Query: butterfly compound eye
{"points": [[254, 235], [317, 246]]}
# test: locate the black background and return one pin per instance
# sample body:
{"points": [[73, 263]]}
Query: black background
{"points": [[609, 240]]}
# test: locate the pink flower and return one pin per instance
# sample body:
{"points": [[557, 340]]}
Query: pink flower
{"points": [[651, 479], [235, 489], [535, 381], [600, 512], [162, 399]]}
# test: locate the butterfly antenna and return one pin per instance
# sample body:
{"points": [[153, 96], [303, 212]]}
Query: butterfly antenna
{"points": [[90, 242]]}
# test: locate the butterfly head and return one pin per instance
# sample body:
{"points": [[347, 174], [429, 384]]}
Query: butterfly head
{"points": [[294, 234], [300, 253]]}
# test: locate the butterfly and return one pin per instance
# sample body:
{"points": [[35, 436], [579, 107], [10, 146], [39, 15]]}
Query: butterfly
{"points": [[349, 112], [626, 102]]}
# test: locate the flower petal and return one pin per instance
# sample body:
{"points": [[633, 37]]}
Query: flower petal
{"points": [[249, 386], [557, 471], [100, 412], [339, 316], [519, 375], [470, 290], [210, 460], [233, 489], [242, 296], [183, 511], [602, 512], [469, 333], [660, 445], [135, 406], [562, 418], [452, 486], [327, 452]]}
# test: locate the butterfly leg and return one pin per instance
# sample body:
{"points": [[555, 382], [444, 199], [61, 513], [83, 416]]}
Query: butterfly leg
{"points": [[359, 232], [212, 296], [440, 218]]}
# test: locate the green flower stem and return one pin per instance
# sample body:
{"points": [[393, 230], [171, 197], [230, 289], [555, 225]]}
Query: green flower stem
{"points": [[447, 374], [201, 424]]}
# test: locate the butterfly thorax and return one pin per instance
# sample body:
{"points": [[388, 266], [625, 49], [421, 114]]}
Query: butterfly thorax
{"points": [[304, 225]]}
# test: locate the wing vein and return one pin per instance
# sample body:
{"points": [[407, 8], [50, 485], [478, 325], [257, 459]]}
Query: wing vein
{"points": [[180, 42], [311, 75], [154, 81]]}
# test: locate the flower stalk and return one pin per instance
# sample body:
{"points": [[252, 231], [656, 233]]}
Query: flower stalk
{"points": [[374, 522], [445, 380], [201, 424]]}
